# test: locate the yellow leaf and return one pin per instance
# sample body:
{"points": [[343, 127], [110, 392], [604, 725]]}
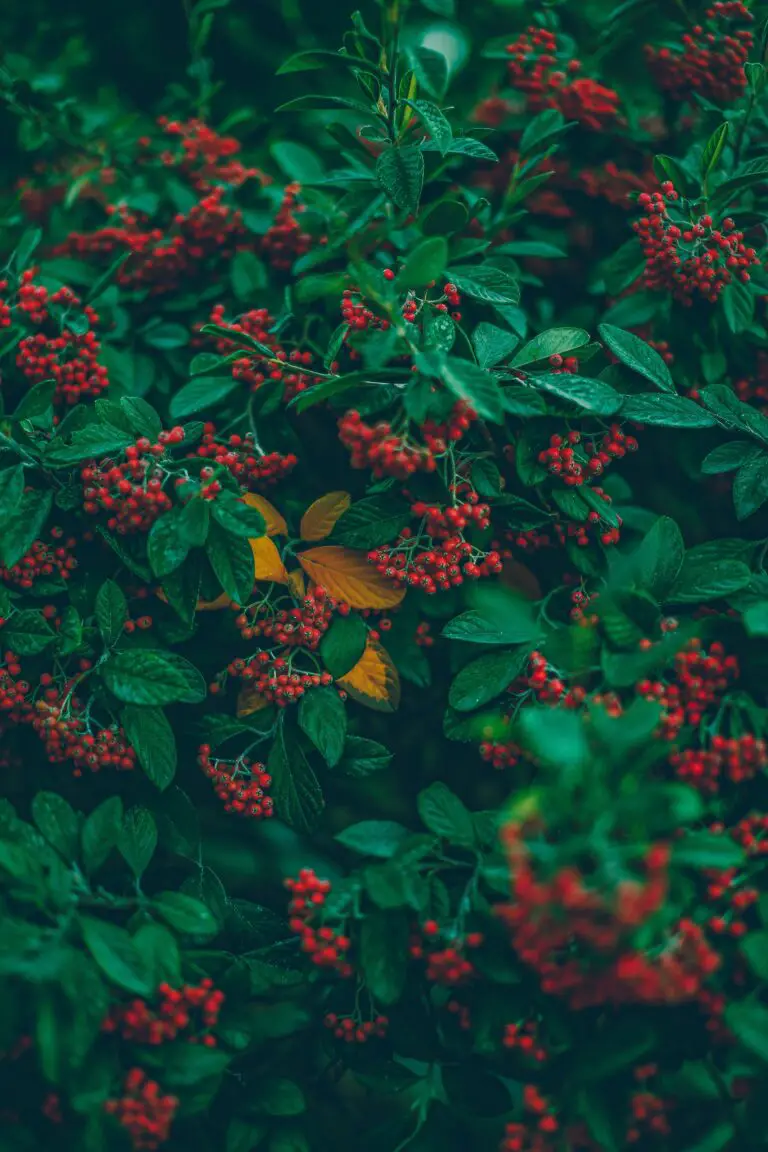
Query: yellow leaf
{"points": [[319, 519], [276, 525], [267, 564], [374, 680], [347, 575], [297, 583], [249, 701]]}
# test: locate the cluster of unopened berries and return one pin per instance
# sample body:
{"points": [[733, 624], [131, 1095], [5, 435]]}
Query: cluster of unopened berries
{"points": [[273, 679], [253, 368], [377, 447], [701, 678], [727, 760], [325, 947], [192, 1010], [242, 459], [43, 561], [143, 1110], [577, 466], [690, 258], [284, 241], [446, 960], [535, 70], [241, 786], [435, 567], [132, 491], [710, 58], [297, 627], [523, 1037], [354, 1031], [70, 357], [66, 736]]}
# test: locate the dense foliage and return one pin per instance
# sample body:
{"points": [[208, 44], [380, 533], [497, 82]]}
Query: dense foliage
{"points": [[383, 602]]}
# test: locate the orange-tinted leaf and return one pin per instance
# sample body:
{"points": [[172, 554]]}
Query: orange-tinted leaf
{"points": [[374, 680], [319, 519], [249, 701], [297, 583], [347, 575], [276, 525], [267, 562]]}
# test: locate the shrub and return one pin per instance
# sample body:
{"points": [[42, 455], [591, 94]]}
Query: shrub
{"points": [[385, 514]]}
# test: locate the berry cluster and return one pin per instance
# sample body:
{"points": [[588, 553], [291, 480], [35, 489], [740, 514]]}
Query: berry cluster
{"points": [[379, 448], [419, 562], [70, 357], [524, 1038], [131, 492], [253, 368], [575, 465], [60, 722], [192, 1010], [444, 954], [43, 561], [284, 241], [252, 468], [687, 257], [325, 947], [710, 59], [297, 627], [701, 678], [534, 69], [352, 1030], [240, 785], [726, 760], [143, 1110]]}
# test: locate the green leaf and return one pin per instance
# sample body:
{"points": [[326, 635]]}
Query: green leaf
{"points": [[116, 955], [372, 521], [58, 822], [343, 644], [142, 416], [728, 457], [151, 676], [755, 619], [486, 283], [24, 527], [707, 850], [702, 578], [713, 150], [100, 833], [279, 1098], [556, 341], [27, 632], [11, 490], [295, 789], [750, 488], [424, 264], [138, 840], [297, 162], [185, 914], [373, 837], [383, 954], [238, 517], [470, 383], [738, 306], [556, 737], [37, 402], [548, 123], [485, 678], [152, 738], [658, 560], [669, 411], [523, 248], [166, 547], [247, 275], [166, 336], [231, 558], [193, 521], [362, 756], [748, 1020], [444, 814], [516, 626], [200, 394], [244, 1135], [592, 395], [435, 122], [161, 953], [111, 612], [400, 172], [323, 717], [492, 344], [637, 355]]}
